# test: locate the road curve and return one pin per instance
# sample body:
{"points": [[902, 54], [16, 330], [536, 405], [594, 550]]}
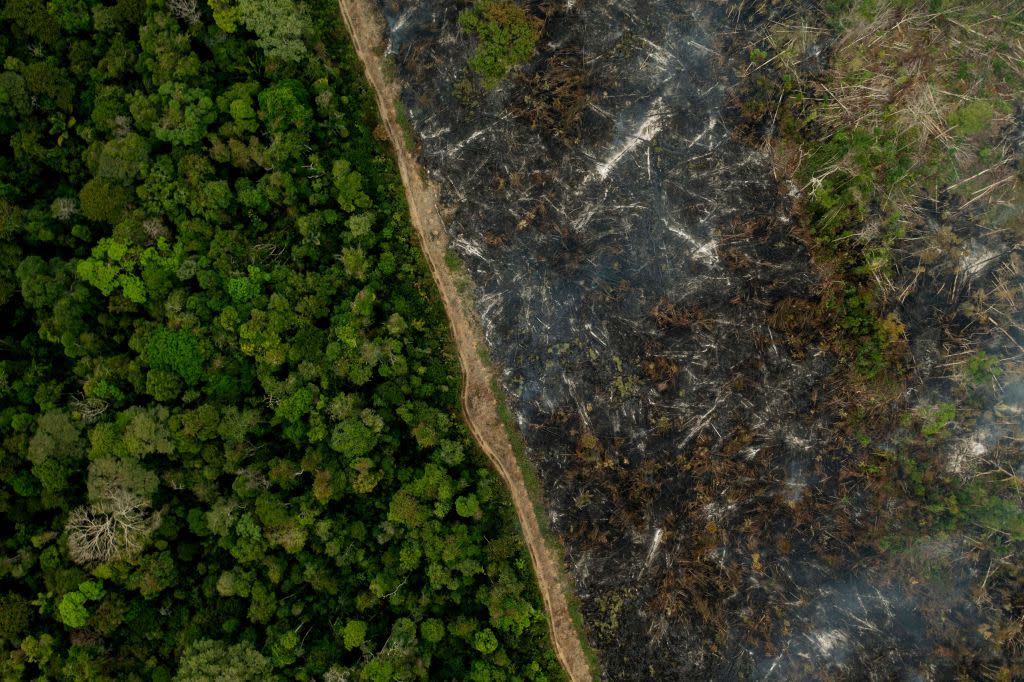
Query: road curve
{"points": [[478, 402]]}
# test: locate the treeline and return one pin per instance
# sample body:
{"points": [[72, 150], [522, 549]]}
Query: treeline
{"points": [[230, 444]]}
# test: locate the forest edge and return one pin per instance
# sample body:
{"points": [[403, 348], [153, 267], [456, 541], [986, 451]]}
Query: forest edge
{"points": [[479, 404]]}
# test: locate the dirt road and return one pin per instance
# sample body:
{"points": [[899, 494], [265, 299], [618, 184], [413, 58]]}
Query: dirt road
{"points": [[478, 403]]}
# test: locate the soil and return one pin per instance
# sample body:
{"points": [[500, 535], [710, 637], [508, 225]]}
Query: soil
{"points": [[478, 402]]}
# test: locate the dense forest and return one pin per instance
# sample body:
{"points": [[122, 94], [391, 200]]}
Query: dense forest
{"points": [[230, 444]]}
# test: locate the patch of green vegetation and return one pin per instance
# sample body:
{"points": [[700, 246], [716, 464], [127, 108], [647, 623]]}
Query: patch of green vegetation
{"points": [[869, 149], [849, 172], [937, 418], [972, 118], [983, 508], [945, 504], [983, 368], [506, 36], [913, 472], [610, 606], [232, 445], [405, 123]]}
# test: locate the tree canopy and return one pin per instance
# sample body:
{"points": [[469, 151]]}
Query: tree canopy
{"points": [[230, 443]]}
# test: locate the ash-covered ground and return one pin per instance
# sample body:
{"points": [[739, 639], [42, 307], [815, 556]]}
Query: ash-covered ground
{"points": [[640, 275]]}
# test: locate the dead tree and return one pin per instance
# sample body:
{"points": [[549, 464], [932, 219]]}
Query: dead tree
{"points": [[64, 208], [90, 408], [186, 10], [118, 531]]}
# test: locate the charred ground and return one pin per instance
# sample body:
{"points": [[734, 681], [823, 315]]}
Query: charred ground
{"points": [[761, 463]]}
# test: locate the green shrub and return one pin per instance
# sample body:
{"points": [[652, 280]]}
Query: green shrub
{"points": [[983, 368], [506, 36], [972, 118], [937, 418]]}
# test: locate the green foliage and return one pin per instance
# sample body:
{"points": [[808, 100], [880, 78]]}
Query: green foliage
{"points": [[108, 476], [983, 368], [353, 439], [112, 266], [432, 630], [73, 15], [348, 183], [936, 418], [990, 511], [467, 506], [229, 416], [506, 36], [213, 661], [354, 634], [121, 159], [102, 201], [226, 14], [177, 351], [184, 114], [485, 642], [92, 589], [15, 616], [972, 118], [872, 161], [72, 611], [279, 25], [285, 105]]}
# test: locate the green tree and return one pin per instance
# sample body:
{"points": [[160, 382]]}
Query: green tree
{"points": [[349, 183], [108, 477], [121, 159], [184, 114], [176, 350], [212, 661], [354, 634], [432, 630], [112, 266], [279, 26], [54, 449], [506, 36], [285, 105], [485, 642], [15, 617], [102, 200], [72, 610]]}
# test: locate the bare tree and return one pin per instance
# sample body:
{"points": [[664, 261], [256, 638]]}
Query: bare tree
{"points": [[155, 228], [90, 408], [64, 208], [187, 10], [337, 674], [118, 531], [122, 125]]}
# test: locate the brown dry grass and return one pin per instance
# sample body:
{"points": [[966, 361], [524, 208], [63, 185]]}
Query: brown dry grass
{"points": [[901, 68]]}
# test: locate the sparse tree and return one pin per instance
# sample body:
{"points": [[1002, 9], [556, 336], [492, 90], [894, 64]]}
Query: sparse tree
{"points": [[88, 408], [154, 229], [186, 10], [337, 674], [64, 208]]}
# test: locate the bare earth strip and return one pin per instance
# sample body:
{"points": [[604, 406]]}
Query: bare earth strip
{"points": [[478, 403]]}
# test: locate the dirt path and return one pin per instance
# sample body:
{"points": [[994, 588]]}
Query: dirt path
{"points": [[478, 402]]}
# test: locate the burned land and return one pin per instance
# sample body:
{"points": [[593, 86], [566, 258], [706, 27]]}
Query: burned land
{"points": [[766, 457]]}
